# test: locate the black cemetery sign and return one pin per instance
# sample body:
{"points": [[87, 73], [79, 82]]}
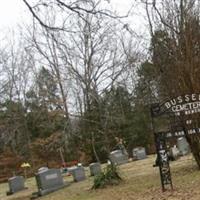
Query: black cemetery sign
{"points": [[185, 105], [184, 114]]}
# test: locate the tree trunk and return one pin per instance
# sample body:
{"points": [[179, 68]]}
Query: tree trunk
{"points": [[94, 149]]}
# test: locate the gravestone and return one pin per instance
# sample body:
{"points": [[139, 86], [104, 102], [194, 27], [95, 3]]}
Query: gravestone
{"points": [[118, 157], [95, 168], [183, 146], [78, 173], [139, 153], [49, 180], [16, 184], [43, 169]]}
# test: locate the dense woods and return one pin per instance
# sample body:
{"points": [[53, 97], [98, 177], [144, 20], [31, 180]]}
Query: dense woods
{"points": [[77, 77]]}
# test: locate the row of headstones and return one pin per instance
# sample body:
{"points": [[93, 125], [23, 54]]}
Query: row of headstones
{"points": [[118, 157], [49, 180]]}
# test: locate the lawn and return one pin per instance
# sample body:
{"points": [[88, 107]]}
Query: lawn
{"points": [[140, 181]]}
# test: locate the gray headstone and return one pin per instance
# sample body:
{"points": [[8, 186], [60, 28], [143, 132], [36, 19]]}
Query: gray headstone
{"points": [[16, 184], [183, 146], [78, 173], [95, 168], [139, 153], [118, 158], [49, 180]]}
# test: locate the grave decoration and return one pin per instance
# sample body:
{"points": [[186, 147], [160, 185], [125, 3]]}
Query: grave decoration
{"points": [[78, 173], [48, 180], [16, 184], [109, 176], [25, 166], [95, 168], [117, 157], [182, 113], [174, 153]]}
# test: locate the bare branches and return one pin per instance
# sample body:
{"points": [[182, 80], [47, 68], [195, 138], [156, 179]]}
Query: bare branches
{"points": [[163, 21], [149, 18], [92, 11], [31, 9], [70, 8]]}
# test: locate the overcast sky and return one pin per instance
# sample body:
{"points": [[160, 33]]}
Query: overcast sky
{"points": [[10, 12]]}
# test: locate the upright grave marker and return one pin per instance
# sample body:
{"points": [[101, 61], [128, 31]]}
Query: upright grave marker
{"points": [[95, 168], [78, 173], [49, 180], [16, 184], [183, 146], [139, 153], [118, 157]]}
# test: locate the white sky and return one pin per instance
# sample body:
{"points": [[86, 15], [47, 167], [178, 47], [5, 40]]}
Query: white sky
{"points": [[11, 12]]}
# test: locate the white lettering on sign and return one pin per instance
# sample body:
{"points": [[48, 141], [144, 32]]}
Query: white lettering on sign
{"points": [[51, 176], [186, 104], [183, 100], [195, 106], [192, 131], [167, 105]]}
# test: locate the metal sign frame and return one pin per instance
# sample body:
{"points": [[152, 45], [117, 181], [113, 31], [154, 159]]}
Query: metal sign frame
{"points": [[185, 110]]}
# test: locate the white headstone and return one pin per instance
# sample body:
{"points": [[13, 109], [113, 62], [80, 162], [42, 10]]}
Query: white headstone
{"points": [[174, 152]]}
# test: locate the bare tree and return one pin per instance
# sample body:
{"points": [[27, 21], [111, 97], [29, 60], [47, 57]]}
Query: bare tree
{"points": [[83, 46], [16, 64], [43, 43]]}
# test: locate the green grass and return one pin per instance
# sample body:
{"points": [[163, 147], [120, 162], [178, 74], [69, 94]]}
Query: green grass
{"points": [[140, 181]]}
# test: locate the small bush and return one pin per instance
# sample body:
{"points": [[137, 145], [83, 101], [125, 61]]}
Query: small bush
{"points": [[109, 176]]}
